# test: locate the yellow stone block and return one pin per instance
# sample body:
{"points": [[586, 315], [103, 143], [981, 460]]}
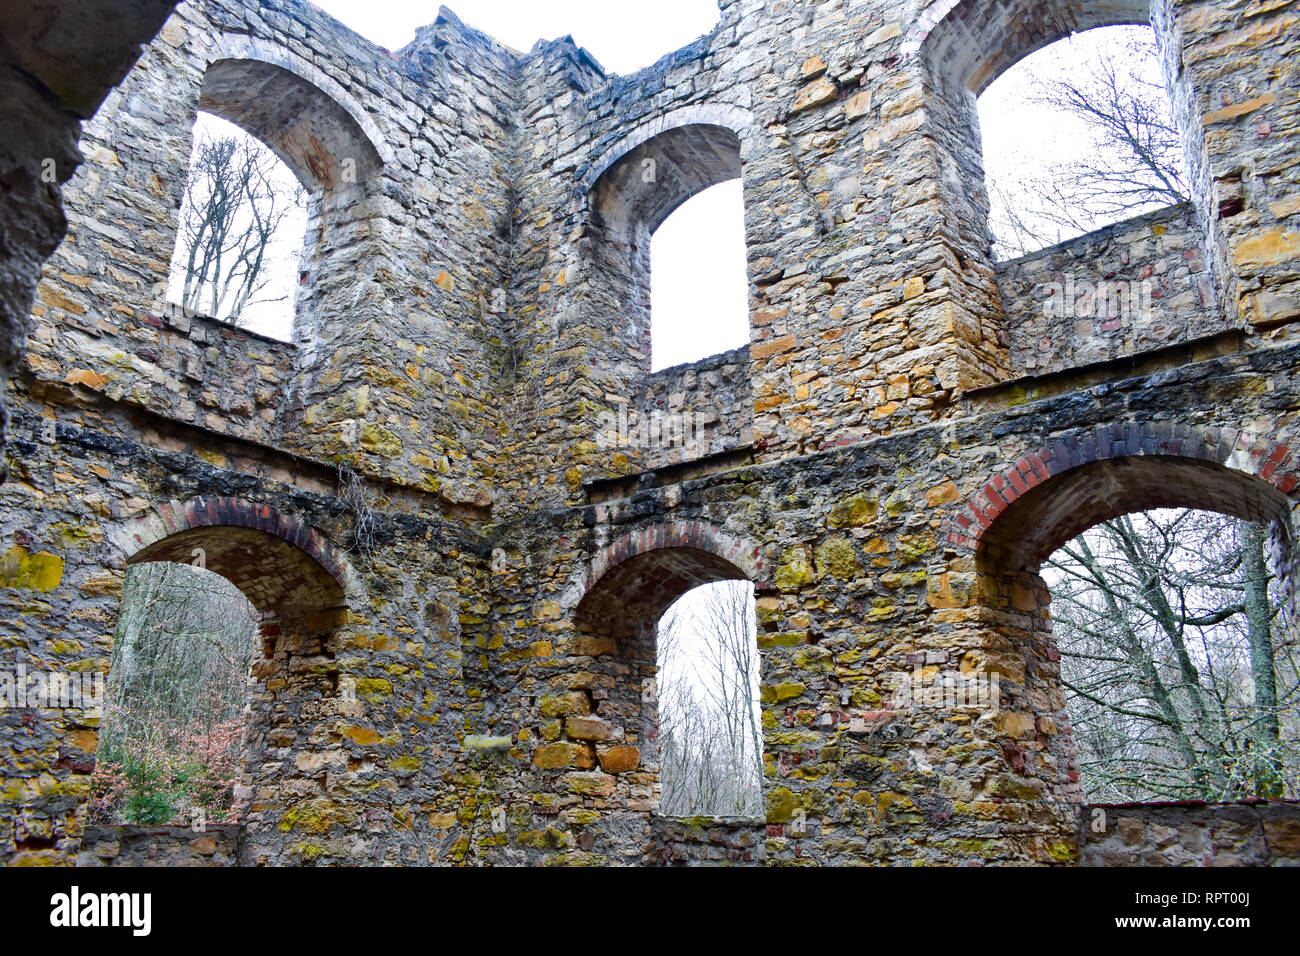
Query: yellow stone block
{"points": [[1238, 109], [24, 571], [1267, 248]]}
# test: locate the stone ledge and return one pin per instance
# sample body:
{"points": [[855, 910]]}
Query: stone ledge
{"points": [[1188, 833]]}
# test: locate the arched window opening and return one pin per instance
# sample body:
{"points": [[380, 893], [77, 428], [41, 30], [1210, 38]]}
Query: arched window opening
{"points": [[175, 717], [710, 725], [669, 621], [1178, 659], [674, 199], [1077, 136], [699, 289], [1109, 583], [242, 225], [189, 646]]}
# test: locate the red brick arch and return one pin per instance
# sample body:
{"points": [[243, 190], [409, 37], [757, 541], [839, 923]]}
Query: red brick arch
{"points": [[633, 580], [278, 561], [1126, 467]]}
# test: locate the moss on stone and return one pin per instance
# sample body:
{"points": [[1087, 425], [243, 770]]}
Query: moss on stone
{"points": [[23, 571], [837, 558], [794, 569]]}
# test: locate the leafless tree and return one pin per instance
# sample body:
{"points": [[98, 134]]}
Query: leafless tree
{"points": [[711, 740], [183, 642], [1178, 662], [234, 206], [1137, 164], [177, 692]]}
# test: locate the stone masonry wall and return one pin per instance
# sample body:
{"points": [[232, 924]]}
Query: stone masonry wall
{"points": [[337, 692], [160, 846], [686, 412], [859, 581], [192, 368], [1190, 834], [1132, 287], [1232, 83], [706, 841], [52, 79], [389, 371], [1162, 834]]}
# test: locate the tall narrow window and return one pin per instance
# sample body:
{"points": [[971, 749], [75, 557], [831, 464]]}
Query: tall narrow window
{"points": [[709, 719], [699, 289], [241, 230]]}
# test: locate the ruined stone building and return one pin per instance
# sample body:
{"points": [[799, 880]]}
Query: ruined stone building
{"points": [[906, 437]]}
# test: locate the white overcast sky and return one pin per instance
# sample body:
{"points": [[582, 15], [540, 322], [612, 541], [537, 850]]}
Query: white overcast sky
{"points": [[623, 36]]}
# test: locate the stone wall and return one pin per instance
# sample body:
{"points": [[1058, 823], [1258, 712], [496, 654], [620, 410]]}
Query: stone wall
{"points": [[52, 79], [389, 374], [160, 846], [861, 575], [361, 639], [1226, 67], [685, 412], [1258, 833], [1161, 834], [1132, 287], [707, 841], [458, 659], [188, 367]]}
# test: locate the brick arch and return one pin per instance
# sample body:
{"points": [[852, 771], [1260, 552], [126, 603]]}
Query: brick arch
{"points": [[691, 149], [281, 564], [306, 118], [973, 42], [1082, 478], [628, 585]]}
